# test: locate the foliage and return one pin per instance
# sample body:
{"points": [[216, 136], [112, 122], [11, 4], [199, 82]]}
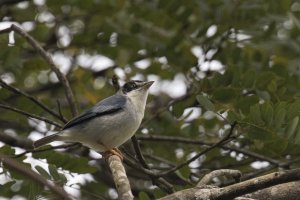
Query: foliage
{"points": [[236, 61]]}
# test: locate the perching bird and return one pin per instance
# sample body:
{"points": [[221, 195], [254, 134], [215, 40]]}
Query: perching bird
{"points": [[108, 124]]}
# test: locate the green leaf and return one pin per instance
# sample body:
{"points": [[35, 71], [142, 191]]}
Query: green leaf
{"points": [[264, 95], [5, 189], [66, 161], [53, 171], [291, 127], [232, 117], [258, 144], [264, 79], [43, 172], [279, 115], [249, 78], [244, 103], [144, 196], [297, 137], [255, 114], [272, 87], [59, 178], [178, 109], [276, 146], [225, 95], [205, 102], [293, 110], [7, 150], [259, 134], [267, 113]]}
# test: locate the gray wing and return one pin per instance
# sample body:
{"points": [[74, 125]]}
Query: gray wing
{"points": [[106, 106]]}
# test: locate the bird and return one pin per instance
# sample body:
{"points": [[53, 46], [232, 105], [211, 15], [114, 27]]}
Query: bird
{"points": [[108, 124]]}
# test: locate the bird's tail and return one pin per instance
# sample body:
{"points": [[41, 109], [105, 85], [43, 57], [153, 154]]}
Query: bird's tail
{"points": [[45, 140]]}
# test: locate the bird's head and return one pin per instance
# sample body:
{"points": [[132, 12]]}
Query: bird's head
{"points": [[136, 87], [137, 91]]}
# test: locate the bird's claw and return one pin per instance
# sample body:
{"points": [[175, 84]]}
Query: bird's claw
{"points": [[113, 151]]}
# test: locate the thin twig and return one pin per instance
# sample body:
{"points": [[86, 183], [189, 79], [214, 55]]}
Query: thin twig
{"points": [[236, 174], [33, 99], [222, 141], [161, 183], [59, 110], [61, 77], [134, 165], [63, 146], [139, 152], [176, 139], [160, 159], [30, 115], [142, 160]]}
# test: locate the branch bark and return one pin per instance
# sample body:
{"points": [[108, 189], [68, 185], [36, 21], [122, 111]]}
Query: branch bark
{"points": [[278, 192], [120, 177], [236, 174], [238, 189]]}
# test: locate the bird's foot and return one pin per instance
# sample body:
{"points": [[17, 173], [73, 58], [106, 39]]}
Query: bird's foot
{"points": [[113, 151]]}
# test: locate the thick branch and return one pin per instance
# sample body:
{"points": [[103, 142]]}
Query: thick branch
{"points": [[238, 189], [120, 177], [255, 184], [278, 192], [14, 165]]}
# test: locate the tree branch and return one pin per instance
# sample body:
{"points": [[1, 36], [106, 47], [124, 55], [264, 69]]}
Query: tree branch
{"points": [[61, 77], [33, 99], [238, 189], [30, 115], [175, 139], [14, 165], [279, 192], [138, 152], [158, 181], [236, 174], [120, 177], [258, 183], [222, 141]]}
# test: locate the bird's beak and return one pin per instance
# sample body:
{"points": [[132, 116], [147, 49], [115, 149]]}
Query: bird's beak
{"points": [[147, 85]]}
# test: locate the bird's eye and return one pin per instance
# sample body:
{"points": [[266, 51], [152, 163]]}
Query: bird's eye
{"points": [[133, 86], [130, 86]]}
